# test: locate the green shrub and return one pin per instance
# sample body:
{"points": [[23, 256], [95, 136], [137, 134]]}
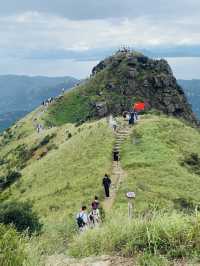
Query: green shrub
{"points": [[46, 140], [174, 235], [12, 247], [192, 162], [9, 179], [186, 205], [21, 216]]}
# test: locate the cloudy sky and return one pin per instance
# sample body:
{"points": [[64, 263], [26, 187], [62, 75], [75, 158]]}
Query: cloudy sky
{"points": [[44, 37]]}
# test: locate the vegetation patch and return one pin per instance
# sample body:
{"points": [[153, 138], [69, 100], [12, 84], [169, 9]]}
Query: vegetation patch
{"points": [[8, 180], [173, 235], [192, 162], [186, 205], [154, 160], [12, 247], [21, 216]]}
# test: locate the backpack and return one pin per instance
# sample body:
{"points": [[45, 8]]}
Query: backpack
{"points": [[80, 221]]}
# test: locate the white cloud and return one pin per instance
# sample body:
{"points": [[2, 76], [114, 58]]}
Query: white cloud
{"points": [[29, 33], [36, 31]]}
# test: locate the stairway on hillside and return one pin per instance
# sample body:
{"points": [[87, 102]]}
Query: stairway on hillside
{"points": [[118, 174]]}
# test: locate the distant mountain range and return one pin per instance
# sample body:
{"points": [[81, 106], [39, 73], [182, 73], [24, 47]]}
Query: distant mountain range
{"points": [[21, 94]]}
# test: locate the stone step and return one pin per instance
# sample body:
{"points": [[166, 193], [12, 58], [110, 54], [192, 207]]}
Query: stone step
{"points": [[122, 135], [119, 141], [117, 148], [123, 132], [117, 144]]}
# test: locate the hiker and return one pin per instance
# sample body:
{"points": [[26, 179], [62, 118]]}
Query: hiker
{"points": [[112, 123], [94, 218], [38, 128], [95, 203], [116, 156], [135, 115], [132, 118], [106, 183], [82, 219], [128, 116]]}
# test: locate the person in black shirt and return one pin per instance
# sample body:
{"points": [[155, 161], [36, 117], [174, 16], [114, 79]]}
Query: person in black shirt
{"points": [[106, 183]]}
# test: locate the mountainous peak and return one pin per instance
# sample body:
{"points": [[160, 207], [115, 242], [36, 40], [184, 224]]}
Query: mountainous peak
{"points": [[137, 77], [120, 80], [132, 59]]}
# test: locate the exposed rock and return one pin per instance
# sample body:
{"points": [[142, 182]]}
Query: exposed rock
{"points": [[101, 108], [129, 76]]}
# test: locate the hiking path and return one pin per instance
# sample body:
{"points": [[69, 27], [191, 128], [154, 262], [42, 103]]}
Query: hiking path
{"points": [[118, 174]]}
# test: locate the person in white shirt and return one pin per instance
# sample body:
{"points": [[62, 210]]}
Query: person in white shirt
{"points": [[82, 219]]}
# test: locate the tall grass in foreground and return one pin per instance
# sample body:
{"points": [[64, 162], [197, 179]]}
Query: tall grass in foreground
{"points": [[173, 235]]}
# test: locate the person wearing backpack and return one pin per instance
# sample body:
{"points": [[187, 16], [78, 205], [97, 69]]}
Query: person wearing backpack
{"points": [[82, 219], [106, 183]]}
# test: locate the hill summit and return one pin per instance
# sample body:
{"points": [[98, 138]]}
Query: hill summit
{"points": [[117, 82]]}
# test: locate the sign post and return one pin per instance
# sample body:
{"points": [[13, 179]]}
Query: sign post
{"points": [[130, 196]]}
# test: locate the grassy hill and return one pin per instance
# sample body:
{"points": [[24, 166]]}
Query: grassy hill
{"points": [[61, 168], [162, 161]]}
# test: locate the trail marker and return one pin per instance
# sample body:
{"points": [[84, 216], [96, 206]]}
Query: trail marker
{"points": [[130, 196]]}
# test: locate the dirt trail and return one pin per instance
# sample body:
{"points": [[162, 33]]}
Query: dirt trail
{"points": [[117, 177], [118, 173], [61, 260]]}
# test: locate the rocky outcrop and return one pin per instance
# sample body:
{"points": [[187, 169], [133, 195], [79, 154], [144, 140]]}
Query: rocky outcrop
{"points": [[129, 76]]}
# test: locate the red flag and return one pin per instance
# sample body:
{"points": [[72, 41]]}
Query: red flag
{"points": [[139, 106]]}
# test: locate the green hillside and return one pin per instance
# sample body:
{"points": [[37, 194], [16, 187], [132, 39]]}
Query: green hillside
{"points": [[68, 172], [162, 161], [61, 167]]}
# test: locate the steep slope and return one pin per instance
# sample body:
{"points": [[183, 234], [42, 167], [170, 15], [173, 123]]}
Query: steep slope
{"points": [[116, 83]]}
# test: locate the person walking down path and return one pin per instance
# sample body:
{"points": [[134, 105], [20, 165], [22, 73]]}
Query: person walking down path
{"points": [[136, 115], [95, 203], [113, 123], [132, 118], [95, 218], [106, 183], [82, 219], [116, 156]]}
